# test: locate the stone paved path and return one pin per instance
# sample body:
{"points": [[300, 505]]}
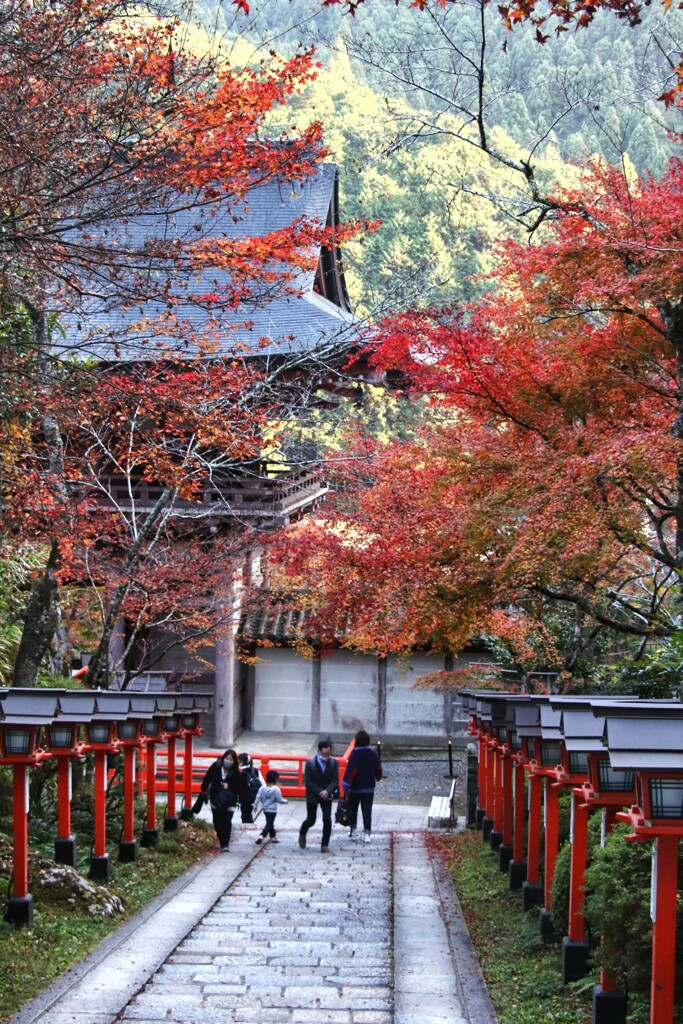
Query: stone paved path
{"points": [[298, 937], [278, 935]]}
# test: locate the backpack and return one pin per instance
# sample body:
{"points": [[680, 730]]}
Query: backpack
{"points": [[253, 782]]}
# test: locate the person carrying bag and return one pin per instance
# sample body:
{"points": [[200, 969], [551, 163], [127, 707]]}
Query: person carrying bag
{"points": [[224, 787], [363, 770]]}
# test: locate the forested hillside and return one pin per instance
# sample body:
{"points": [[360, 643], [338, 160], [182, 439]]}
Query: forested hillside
{"points": [[397, 93]]}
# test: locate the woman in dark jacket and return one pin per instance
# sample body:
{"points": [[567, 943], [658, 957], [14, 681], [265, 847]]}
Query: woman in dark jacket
{"points": [[364, 768], [225, 787]]}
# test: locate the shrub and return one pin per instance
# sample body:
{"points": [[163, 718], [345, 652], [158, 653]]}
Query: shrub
{"points": [[618, 907], [560, 893]]}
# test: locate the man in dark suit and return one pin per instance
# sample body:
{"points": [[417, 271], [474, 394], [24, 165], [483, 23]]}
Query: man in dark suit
{"points": [[321, 778]]}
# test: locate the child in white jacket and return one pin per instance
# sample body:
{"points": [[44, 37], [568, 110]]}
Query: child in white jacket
{"points": [[268, 797]]}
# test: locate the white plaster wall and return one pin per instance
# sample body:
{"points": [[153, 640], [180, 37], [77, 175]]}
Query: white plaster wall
{"points": [[348, 693], [413, 712], [282, 691]]}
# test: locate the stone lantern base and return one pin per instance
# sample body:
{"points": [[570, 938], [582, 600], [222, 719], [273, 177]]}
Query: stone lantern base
{"points": [[609, 1006], [20, 910], [574, 960], [65, 851]]}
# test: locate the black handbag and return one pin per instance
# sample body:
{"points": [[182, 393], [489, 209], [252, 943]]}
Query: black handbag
{"points": [[341, 815], [224, 799]]}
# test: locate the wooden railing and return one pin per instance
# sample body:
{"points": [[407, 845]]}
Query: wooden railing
{"points": [[239, 496], [289, 766]]}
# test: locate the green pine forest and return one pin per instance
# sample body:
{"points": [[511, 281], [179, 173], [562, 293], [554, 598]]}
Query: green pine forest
{"points": [[396, 92]]}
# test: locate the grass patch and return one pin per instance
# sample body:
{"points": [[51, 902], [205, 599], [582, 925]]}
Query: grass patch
{"points": [[30, 958], [523, 974]]}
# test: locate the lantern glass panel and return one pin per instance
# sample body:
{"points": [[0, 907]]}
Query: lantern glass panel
{"points": [[502, 733], [150, 727], [578, 762], [514, 740], [189, 722], [614, 780], [60, 735], [550, 752], [666, 798], [17, 741], [128, 730], [98, 733], [171, 724]]}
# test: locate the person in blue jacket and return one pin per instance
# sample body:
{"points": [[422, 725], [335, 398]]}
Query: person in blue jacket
{"points": [[363, 770]]}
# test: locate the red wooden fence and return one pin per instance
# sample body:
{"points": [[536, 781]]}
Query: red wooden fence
{"points": [[289, 766]]}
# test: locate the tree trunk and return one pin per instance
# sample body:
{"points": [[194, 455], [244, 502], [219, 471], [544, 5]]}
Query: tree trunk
{"points": [[99, 674], [40, 622], [41, 617], [672, 314]]}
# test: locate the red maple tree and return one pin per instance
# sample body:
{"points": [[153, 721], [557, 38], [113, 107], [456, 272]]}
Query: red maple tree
{"points": [[123, 155], [559, 476]]}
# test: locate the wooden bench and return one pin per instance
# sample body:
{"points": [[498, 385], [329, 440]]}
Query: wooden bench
{"points": [[442, 810]]}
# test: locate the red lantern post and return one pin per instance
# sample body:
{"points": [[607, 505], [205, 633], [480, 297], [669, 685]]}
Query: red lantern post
{"points": [[579, 854], [475, 729], [653, 748], [490, 746], [130, 737], [527, 727], [186, 807], [511, 852], [570, 770], [151, 731], [552, 843], [532, 890], [517, 870], [496, 837], [99, 860], [585, 762], [490, 716], [171, 729], [644, 817], [607, 790], [20, 903], [62, 740], [150, 707], [101, 741], [20, 750], [664, 906], [191, 728], [505, 848], [63, 743]]}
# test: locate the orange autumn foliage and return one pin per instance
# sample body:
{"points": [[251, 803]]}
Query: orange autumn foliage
{"points": [[559, 477]]}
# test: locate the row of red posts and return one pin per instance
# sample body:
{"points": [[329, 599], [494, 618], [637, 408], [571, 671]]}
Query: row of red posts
{"points": [[621, 756], [36, 725]]}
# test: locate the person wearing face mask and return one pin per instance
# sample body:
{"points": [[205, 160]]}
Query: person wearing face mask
{"points": [[225, 787], [321, 778]]}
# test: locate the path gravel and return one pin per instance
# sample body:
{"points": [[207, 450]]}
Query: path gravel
{"points": [[416, 779]]}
